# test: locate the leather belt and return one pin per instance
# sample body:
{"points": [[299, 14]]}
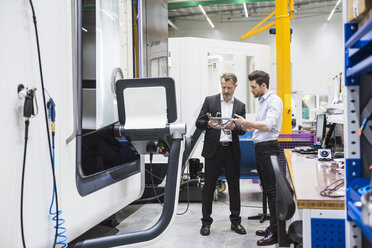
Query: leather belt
{"points": [[265, 143], [225, 143]]}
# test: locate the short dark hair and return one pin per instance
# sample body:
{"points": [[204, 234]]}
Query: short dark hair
{"points": [[260, 77], [229, 76]]}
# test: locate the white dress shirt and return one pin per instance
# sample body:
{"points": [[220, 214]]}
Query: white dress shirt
{"points": [[270, 109], [226, 112]]}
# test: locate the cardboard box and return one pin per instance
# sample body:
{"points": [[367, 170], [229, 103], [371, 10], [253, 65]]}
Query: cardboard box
{"points": [[357, 9]]}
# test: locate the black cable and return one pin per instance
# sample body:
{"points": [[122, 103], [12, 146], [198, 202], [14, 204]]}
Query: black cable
{"points": [[188, 202], [27, 123], [162, 179], [188, 195], [146, 200], [152, 181], [333, 187], [46, 118]]}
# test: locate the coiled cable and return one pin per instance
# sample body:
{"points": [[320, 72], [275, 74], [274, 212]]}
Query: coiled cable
{"points": [[56, 215]]}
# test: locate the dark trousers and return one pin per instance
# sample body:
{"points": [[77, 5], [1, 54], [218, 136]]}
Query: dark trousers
{"points": [[267, 177], [224, 156]]}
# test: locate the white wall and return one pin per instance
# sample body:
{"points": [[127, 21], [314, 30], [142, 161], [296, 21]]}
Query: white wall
{"points": [[316, 50]]}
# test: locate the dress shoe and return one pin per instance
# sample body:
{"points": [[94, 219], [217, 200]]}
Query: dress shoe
{"points": [[238, 228], [205, 229], [269, 239], [262, 233]]}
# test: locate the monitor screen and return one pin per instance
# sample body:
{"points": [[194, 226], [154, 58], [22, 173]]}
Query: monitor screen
{"points": [[320, 126]]}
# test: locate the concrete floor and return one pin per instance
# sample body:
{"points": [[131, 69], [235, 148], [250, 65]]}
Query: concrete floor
{"points": [[184, 230]]}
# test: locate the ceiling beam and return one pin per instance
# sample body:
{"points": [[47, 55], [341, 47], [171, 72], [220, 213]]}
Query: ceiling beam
{"points": [[173, 5]]}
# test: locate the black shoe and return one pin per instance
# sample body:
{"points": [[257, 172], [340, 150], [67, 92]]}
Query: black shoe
{"points": [[262, 233], [269, 239], [238, 228], [205, 229]]}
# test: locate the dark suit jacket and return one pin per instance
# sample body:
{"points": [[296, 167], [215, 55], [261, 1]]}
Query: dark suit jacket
{"points": [[212, 105]]}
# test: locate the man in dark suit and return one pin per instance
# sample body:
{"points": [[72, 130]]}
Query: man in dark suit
{"points": [[221, 147]]}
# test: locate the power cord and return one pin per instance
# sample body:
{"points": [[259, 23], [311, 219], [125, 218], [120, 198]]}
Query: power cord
{"points": [[188, 201], [152, 174], [146, 200], [188, 195], [28, 112], [27, 123], [151, 148], [46, 118], [333, 187]]}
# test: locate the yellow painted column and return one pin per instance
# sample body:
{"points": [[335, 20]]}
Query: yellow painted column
{"points": [[283, 62]]}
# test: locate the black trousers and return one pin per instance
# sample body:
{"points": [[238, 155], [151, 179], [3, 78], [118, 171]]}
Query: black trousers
{"points": [[267, 177], [224, 156]]}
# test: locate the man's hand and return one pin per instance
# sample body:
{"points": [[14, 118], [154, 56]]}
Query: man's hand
{"points": [[231, 126], [243, 123], [239, 120], [214, 125]]}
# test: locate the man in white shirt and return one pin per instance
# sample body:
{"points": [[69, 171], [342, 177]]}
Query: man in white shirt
{"points": [[265, 138], [221, 147]]}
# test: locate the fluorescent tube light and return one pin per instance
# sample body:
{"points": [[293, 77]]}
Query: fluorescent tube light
{"points": [[209, 20], [172, 25], [202, 10], [333, 10], [108, 14], [245, 10]]}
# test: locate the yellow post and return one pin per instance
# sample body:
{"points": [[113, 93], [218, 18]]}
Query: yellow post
{"points": [[283, 62]]}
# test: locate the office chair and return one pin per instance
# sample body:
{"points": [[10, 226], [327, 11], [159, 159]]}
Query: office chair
{"points": [[285, 209]]}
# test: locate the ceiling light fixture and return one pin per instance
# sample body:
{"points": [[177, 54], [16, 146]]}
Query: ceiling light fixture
{"points": [[245, 10], [110, 15], [333, 10], [172, 25], [209, 20]]}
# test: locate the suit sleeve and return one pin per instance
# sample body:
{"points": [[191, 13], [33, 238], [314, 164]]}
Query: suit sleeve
{"points": [[238, 130], [202, 121]]}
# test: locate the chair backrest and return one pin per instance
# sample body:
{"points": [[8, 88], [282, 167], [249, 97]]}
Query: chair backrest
{"points": [[285, 204]]}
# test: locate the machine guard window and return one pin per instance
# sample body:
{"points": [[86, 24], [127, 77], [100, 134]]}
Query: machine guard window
{"points": [[101, 159]]}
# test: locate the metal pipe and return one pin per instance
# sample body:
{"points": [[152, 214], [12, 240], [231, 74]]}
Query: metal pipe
{"points": [[251, 32], [254, 32], [283, 62]]}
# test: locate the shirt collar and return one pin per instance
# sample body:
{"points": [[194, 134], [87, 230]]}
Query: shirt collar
{"points": [[222, 100], [264, 97]]}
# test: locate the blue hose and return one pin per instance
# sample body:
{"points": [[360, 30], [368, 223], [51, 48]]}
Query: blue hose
{"points": [[61, 229], [56, 215]]}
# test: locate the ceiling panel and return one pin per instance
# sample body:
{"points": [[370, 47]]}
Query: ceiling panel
{"points": [[219, 11]]}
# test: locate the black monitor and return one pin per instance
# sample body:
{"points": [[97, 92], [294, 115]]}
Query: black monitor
{"points": [[321, 123]]}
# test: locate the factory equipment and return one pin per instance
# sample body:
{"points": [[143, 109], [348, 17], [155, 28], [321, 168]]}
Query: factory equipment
{"points": [[79, 49]]}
